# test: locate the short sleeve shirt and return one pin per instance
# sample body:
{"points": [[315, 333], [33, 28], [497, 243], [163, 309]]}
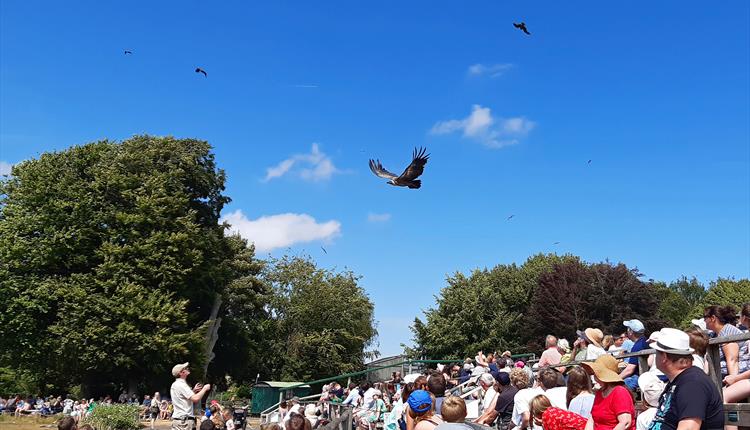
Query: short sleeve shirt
{"points": [[559, 419], [504, 404], [606, 409], [728, 330], [180, 394], [639, 345], [690, 395], [521, 403]]}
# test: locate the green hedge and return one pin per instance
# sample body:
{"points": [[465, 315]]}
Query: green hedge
{"points": [[114, 417]]}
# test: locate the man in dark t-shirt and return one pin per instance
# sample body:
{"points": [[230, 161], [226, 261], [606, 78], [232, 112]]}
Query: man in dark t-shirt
{"points": [[690, 399], [504, 404]]}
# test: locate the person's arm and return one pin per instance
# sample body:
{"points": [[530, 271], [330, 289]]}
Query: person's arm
{"points": [[489, 414], [525, 420], [731, 379], [689, 424], [628, 370], [731, 355], [624, 420], [590, 424], [195, 398]]}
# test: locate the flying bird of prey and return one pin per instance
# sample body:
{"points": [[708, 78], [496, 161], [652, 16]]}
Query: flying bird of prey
{"points": [[522, 27], [510, 217], [556, 243], [410, 175], [128, 52], [324, 250], [199, 70], [589, 162]]}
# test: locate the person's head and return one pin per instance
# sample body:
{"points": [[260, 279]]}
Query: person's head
{"points": [[579, 382], [283, 404], [406, 391], [272, 426], [591, 336], [745, 315], [716, 317], [620, 339], [537, 406], [519, 378], [635, 330], [215, 410], [420, 383], [550, 341], [486, 380], [180, 371], [398, 374], [651, 388], [453, 410], [563, 346], [436, 385], [698, 340], [548, 378], [673, 352], [294, 401], [295, 422], [503, 379], [605, 370], [608, 341], [85, 427], [421, 405], [66, 423]]}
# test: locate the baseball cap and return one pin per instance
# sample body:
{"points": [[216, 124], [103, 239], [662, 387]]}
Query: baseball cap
{"points": [[635, 325], [178, 368], [420, 401], [503, 378]]}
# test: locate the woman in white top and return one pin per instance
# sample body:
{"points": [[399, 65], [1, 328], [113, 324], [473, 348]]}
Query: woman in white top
{"points": [[579, 396]]}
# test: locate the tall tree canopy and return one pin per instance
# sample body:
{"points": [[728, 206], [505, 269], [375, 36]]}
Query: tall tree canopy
{"points": [[112, 260]]}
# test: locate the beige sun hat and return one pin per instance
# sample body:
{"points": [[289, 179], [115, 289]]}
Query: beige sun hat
{"points": [[604, 368]]}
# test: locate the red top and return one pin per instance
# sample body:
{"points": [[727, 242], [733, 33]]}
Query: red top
{"points": [[560, 419], [606, 409]]}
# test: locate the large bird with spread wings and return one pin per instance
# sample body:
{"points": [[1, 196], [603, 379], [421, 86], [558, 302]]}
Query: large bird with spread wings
{"points": [[410, 175]]}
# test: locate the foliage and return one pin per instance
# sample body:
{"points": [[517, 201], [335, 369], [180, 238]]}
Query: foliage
{"points": [[111, 256], [321, 321], [723, 292], [483, 311], [678, 299], [14, 381], [114, 417]]}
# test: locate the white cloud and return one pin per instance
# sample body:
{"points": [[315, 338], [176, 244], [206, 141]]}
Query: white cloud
{"points": [[493, 71], [278, 231], [5, 168], [371, 217], [482, 127], [318, 166]]}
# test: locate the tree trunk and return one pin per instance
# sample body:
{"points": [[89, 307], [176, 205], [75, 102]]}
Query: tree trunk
{"points": [[212, 334]]}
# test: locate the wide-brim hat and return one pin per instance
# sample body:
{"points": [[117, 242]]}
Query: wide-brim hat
{"points": [[651, 387], [673, 341], [604, 368], [591, 335], [178, 368]]}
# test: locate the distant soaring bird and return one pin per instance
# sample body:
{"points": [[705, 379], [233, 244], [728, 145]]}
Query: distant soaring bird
{"points": [[589, 162], [410, 175], [324, 250], [510, 217], [522, 27], [556, 243], [199, 70], [128, 52]]}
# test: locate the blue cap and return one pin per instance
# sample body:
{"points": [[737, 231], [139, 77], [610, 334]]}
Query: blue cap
{"points": [[503, 378], [420, 401], [634, 325]]}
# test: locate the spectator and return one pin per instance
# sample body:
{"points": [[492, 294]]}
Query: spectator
{"points": [[406, 420], [154, 408], [563, 347], [651, 388], [284, 407], [636, 333], [488, 414], [553, 418], [521, 416], [618, 345], [436, 386], [738, 387], [593, 338], [690, 400], [311, 415], [420, 383], [376, 413], [504, 403], [184, 399], [453, 414], [67, 423], [721, 320], [608, 342], [548, 381], [551, 354], [207, 425], [579, 397], [613, 404], [226, 415], [297, 422], [422, 410], [699, 342]]}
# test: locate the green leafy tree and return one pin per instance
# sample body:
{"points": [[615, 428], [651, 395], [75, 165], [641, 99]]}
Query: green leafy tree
{"points": [[482, 311], [113, 265], [722, 292], [678, 299], [322, 321]]}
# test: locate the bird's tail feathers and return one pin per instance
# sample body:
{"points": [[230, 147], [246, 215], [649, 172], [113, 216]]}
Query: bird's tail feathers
{"points": [[415, 184]]}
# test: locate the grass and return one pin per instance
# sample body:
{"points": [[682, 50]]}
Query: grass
{"points": [[9, 422]]}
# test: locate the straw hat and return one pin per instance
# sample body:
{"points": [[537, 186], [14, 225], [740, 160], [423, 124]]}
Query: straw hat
{"points": [[592, 335], [604, 368]]}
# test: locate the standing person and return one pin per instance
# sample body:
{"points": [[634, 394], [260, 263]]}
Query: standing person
{"points": [[613, 407], [636, 332], [154, 408], [184, 399], [690, 400]]}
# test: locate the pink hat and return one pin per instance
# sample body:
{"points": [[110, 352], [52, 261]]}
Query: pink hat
{"points": [[519, 364]]}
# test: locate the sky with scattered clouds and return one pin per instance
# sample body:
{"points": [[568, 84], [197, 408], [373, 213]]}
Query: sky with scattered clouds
{"points": [[299, 95]]}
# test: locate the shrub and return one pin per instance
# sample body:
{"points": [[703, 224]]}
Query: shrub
{"points": [[114, 417]]}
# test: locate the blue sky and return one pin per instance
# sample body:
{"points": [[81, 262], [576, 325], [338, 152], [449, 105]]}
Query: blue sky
{"points": [[656, 94]]}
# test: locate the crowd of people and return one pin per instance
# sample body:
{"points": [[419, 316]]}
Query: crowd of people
{"points": [[588, 385]]}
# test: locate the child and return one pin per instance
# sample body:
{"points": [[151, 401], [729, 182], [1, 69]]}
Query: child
{"points": [[651, 387]]}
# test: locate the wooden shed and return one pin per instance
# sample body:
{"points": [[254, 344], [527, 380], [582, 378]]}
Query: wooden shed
{"points": [[268, 393]]}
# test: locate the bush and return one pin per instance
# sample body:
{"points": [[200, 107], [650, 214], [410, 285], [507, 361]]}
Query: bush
{"points": [[114, 417]]}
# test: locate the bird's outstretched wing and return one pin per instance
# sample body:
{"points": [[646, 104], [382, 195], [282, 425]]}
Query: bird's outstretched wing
{"points": [[416, 168], [380, 171]]}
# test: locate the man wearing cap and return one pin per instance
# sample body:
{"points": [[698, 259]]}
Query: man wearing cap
{"points": [[690, 400], [183, 398], [635, 332]]}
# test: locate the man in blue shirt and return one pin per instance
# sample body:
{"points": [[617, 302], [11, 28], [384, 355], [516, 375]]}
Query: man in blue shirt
{"points": [[636, 333]]}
